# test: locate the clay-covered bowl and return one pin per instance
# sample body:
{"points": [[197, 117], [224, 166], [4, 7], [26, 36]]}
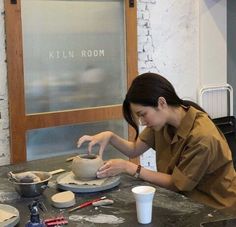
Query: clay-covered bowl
{"points": [[33, 189], [85, 166]]}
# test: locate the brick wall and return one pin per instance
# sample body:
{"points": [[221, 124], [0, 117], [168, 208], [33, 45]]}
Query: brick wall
{"points": [[145, 42], [4, 119]]}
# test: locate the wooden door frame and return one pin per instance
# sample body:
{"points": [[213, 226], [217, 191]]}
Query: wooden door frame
{"points": [[18, 120]]}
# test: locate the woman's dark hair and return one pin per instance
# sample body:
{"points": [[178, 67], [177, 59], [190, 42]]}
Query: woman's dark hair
{"points": [[145, 90]]}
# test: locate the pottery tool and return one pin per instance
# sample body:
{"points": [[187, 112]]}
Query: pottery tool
{"points": [[103, 202], [88, 203], [64, 182], [57, 221], [70, 159], [57, 171]]}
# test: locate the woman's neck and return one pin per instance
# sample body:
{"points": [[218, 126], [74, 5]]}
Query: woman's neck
{"points": [[176, 116]]}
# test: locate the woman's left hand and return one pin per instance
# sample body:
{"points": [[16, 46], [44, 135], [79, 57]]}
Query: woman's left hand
{"points": [[112, 167]]}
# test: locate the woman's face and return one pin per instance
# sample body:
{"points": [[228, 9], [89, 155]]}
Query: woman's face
{"points": [[152, 117]]}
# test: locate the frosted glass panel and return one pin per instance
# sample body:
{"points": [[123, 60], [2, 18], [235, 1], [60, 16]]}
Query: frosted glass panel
{"points": [[74, 54], [49, 142]]}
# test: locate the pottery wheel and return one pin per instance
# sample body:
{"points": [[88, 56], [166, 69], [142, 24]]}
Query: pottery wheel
{"points": [[12, 221], [107, 184]]}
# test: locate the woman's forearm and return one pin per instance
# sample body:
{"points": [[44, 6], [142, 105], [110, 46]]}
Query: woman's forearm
{"points": [[161, 179]]}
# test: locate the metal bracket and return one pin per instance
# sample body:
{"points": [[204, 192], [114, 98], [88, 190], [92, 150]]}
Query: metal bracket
{"points": [[131, 3], [13, 1]]}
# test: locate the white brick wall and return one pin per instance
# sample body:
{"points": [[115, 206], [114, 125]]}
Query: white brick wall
{"points": [[4, 120], [145, 42]]}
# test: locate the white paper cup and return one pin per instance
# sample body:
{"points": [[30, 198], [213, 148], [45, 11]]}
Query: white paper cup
{"points": [[144, 197]]}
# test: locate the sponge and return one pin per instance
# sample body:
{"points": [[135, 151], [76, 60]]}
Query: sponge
{"points": [[63, 199]]}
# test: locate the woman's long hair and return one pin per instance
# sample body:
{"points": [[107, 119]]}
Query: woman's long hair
{"points": [[145, 90]]}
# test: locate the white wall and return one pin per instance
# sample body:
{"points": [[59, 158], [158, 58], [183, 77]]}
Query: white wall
{"points": [[175, 38], [213, 42], [184, 40], [4, 123]]}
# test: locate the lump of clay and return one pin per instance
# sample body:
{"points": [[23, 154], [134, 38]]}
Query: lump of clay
{"points": [[25, 177], [86, 166], [63, 199]]}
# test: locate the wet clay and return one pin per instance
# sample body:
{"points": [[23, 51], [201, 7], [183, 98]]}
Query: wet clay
{"points": [[100, 218], [71, 179], [86, 166]]}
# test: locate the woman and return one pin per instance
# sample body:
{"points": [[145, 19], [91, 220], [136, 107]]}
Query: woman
{"points": [[193, 156]]}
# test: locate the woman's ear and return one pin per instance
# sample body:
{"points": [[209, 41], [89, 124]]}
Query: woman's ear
{"points": [[161, 102]]}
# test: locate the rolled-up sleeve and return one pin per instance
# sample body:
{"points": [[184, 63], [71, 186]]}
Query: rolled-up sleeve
{"points": [[193, 165], [181, 181]]}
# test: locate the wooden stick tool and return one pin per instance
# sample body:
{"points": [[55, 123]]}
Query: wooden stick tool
{"points": [[88, 203]]}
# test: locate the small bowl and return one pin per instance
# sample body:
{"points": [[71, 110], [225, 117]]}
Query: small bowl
{"points": [[35, 188]]}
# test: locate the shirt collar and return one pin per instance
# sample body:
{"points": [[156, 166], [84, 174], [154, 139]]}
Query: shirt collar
{"points": [[185, 125]]}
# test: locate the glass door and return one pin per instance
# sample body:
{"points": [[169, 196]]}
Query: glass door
{"points": [[72, 72]]}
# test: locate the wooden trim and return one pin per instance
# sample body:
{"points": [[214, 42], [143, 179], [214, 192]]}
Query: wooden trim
{"points": [[132, 55], [15, 81], [131, 41], [44, 120]]}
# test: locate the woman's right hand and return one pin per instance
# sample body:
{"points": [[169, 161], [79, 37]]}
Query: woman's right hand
{"points": [[102, 139]]}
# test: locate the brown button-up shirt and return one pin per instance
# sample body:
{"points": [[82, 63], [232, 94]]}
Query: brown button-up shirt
{"points": [[198, 158]]}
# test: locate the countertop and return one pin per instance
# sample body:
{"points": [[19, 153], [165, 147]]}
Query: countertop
{"points": [[169, 208]]}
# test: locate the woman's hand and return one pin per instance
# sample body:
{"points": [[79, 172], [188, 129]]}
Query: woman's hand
{"points": [[114, 167], [102, 139]]}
